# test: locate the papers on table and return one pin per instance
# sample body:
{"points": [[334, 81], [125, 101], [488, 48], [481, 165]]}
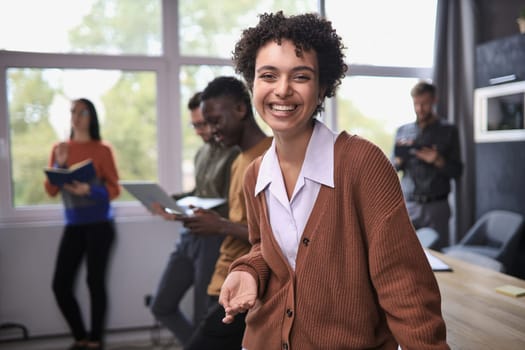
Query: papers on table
{"points": [[436, 263], [511, 290]]}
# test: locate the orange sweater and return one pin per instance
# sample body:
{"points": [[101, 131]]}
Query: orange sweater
{"points": [[102, 155], [96, 206], [362, 280]]}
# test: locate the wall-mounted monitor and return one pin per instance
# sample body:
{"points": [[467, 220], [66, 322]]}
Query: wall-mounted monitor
{"points": [[499, 114]]}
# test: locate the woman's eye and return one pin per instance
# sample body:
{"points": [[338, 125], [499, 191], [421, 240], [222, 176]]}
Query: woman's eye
{"points": [[267, 76], [302, 77]]}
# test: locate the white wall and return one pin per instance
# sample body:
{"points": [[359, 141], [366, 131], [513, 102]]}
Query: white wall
{"points": [[27, 256]]}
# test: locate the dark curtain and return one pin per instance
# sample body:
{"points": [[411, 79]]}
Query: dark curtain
{"points": [[454, 76]]}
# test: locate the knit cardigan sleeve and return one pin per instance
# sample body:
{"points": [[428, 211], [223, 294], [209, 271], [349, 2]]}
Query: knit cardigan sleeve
{"points": [[400, 273], [383, 290]]}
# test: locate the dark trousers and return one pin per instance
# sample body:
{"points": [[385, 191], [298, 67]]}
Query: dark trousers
{"points": [[212, 333], [435, 215], [191, 264], [94, 242]]}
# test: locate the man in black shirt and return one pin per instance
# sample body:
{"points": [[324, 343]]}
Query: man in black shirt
{"points": [[427, 152]]}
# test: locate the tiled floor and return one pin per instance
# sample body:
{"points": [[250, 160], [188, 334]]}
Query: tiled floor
{"points": [[148, 339]]}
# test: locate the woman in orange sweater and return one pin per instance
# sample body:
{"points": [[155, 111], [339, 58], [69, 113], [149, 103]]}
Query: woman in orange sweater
{"points": [[335, 262], [89, 229]]}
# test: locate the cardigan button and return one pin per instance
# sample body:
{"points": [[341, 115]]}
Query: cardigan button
{"points": [[306, 241], [285, 346], [289, 312]]}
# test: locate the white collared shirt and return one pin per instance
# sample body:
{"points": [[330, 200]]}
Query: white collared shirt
{"points": [[288, 218]]}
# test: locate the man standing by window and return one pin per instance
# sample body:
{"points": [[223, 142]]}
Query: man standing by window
{"points": [[427, 153], [193, 261]]}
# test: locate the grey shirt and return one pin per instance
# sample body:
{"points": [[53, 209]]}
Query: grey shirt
{"points": [[212, 172]]}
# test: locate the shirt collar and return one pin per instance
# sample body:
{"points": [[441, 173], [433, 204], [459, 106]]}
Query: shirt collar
{"points": [[318, 163]]}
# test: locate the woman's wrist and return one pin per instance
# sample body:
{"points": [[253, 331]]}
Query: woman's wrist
{"points": [[61, 165]]}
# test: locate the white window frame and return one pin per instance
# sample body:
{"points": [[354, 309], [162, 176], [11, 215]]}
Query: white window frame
{"points": [[374, 71], [167, 68]]}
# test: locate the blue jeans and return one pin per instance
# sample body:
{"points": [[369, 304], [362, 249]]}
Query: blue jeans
{"points": [[191, 264]]}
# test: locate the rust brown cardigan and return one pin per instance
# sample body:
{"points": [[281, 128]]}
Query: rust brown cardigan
{"points": [[362, 280]]}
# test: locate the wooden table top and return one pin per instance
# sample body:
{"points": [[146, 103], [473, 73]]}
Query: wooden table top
{"points": [[478, 317]]}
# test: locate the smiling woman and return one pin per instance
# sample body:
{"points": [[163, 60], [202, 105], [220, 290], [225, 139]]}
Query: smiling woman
{"points": [[318, 193], [285, 95], [137, 60]]}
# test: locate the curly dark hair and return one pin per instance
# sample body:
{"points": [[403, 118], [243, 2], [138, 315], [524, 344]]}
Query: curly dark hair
{"points": [[307, 31]]}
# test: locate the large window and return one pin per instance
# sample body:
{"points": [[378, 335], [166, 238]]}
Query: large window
{"points": [[373, 107], [114, 27], [211, 28], [390, 46], [141, 60], [127, 113], [386, 33], [108, 51], [194, 78]]}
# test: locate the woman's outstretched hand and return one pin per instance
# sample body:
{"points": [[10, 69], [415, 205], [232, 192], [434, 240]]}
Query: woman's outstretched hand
{"points": [[238, 294]]}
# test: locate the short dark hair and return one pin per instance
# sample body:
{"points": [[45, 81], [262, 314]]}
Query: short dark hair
{"points": [[94, 127], [423, 87], [195, 101], [308, 32], [230, 87]]}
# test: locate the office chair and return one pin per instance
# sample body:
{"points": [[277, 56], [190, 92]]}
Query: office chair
{"points": [[477, 259], [9, 326], [427, 236], [495, 235]]}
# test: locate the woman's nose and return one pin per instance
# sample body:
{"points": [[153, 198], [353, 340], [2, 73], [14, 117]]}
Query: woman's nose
{"points": [[282, 88]]}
